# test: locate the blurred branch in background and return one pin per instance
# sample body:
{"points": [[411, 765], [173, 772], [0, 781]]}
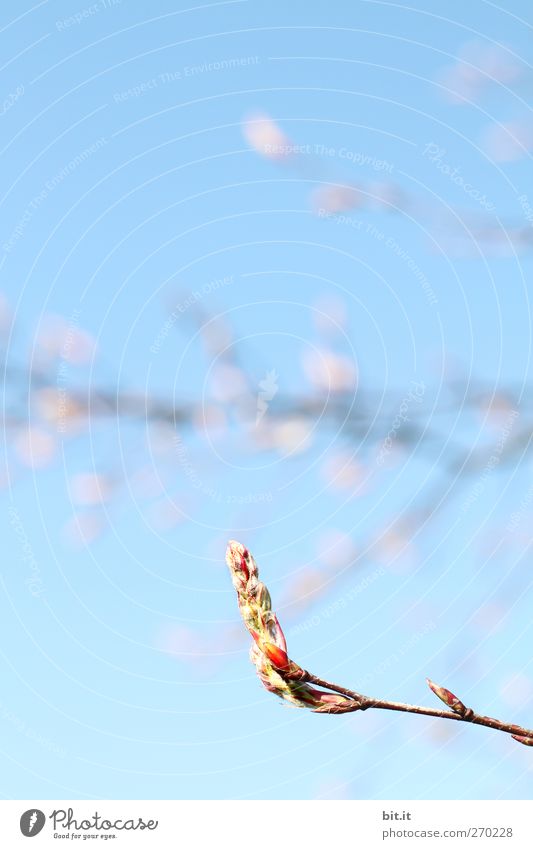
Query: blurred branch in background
{"points": [[481, 72], [373, 434], [45, 408]]}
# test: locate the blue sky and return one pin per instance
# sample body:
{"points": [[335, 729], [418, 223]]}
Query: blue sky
{"points": [[128, 183]]}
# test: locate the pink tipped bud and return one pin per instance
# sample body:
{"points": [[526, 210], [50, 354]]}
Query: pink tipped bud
{"points": [[241, 565], [332, 703], [331, 699], [447, 697], [526, 741]]}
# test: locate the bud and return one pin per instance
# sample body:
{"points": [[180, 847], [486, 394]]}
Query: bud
{"points": [[249, 616], [526, 741], [447, 697], [332, 703], [275, 630], [263, 598], [276, 656], [268, 652], [241, 564]]}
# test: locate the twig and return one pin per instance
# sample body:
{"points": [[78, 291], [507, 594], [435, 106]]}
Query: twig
{"points": [[363, 702], [289, 681]]}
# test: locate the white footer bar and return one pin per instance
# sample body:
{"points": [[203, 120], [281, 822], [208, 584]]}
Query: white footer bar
{"points": [[267, 825]]}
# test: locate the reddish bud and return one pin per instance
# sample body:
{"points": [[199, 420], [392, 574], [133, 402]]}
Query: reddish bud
{"points": [[331, 698], [276, 656], [447, 697], [526, 741], [333, 703]]}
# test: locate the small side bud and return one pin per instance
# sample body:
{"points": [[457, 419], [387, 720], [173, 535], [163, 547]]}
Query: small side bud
{"points": [[332, 703], [526, 741], [447, 697]]}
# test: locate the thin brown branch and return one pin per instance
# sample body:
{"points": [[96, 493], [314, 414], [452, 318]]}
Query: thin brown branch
{"points": [[282, 676], [362, 702]]}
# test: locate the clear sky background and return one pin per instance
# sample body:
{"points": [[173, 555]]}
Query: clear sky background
{"points": [[154, 150]]}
